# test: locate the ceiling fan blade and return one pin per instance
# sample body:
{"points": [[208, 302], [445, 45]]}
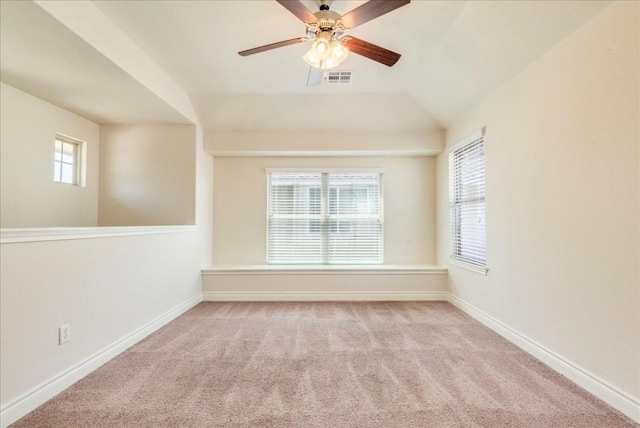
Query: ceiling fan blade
{"points": [[273, 46], [371, 51], [370, 10], [299, 10], [315, 76]]}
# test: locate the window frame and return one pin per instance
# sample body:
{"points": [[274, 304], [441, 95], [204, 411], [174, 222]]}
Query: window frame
{"points": [[79, 148], [456, 202], [326, 217]]}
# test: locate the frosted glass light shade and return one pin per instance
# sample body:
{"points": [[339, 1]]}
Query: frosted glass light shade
{"points": [[332, 55], [339, 51], [321, 48], [311, 59]]}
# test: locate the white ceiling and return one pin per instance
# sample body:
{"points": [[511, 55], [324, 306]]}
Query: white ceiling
{"points": [[453, 54], [41, 57]]}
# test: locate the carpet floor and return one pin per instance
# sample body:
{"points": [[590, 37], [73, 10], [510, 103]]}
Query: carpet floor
{"points": [[324, 364]]}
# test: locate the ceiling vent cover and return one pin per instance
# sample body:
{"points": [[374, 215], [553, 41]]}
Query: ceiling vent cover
{"points": [[339, 77]]}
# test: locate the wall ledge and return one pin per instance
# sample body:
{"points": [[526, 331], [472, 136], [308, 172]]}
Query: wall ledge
{"points": [[38, 234], [324, 270]]}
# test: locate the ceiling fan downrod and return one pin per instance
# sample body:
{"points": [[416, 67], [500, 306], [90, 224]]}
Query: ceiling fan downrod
{"points": [[324, 4]]}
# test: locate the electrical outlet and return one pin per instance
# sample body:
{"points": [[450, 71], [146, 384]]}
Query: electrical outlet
{"points": [[64, 333]]}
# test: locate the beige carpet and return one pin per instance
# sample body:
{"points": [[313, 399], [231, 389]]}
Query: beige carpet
{"points": [[351, 364]]}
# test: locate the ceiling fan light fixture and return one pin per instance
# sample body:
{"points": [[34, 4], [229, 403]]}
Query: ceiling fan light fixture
{"points": [[339, 51], [321, 48], [329, 63], [333, 56], [311, 59]]}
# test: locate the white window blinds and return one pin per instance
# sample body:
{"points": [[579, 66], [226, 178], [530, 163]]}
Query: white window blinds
{"points": [[466, 203], [324, 218]]}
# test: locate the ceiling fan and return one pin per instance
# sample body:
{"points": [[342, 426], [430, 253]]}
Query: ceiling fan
{"points": [[327, 29]]}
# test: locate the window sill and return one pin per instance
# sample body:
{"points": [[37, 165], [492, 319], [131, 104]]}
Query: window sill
{"points": [[469, 266], [38, 234], [324, 270]]}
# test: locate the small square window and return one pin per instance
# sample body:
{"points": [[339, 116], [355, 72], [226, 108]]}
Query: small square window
{"points": [[66, 161]]}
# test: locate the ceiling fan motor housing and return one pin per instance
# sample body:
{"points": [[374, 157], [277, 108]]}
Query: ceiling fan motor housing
{"points": [[326, 19]]}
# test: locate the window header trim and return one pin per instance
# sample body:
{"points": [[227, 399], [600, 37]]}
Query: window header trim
{"points": [[325, 170]]}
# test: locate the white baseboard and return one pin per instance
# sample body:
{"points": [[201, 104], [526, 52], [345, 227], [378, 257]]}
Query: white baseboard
{"points": [[601, 389], [250, 296], [29, 401]]}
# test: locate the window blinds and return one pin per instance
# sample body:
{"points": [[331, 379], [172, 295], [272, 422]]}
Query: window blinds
{"points": [[466, 203], [324, 218]]}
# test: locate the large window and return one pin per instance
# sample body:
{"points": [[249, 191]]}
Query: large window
{"points": [[325, 218], [466, 203]]}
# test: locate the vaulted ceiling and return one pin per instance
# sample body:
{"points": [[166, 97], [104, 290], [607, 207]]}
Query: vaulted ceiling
{"points": [[454, 54]]}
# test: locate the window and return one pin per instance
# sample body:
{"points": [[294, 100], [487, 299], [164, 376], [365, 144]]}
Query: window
{"points": [[466, 203], [325, 218], [66, 163]]}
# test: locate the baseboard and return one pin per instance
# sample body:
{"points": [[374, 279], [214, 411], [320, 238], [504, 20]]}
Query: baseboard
{"points": [[601, 389], [24, 404], [250, 296]]}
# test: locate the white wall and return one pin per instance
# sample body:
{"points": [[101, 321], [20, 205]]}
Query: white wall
{"points": [[30, 197], [328, 143], [240, 205], [562, 181], [146, 175]]}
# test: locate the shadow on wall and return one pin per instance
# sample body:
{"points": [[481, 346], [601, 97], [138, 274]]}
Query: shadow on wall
{"points": [[147, 175]]}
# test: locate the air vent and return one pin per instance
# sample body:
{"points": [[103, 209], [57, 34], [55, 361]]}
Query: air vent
{"points": [[339, 77]]}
